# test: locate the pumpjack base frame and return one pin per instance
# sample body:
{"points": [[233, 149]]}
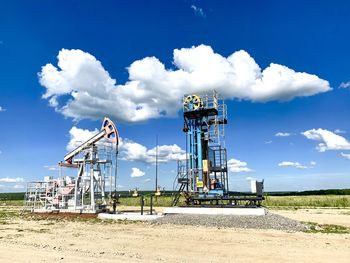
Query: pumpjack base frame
{"points": [[68, 211], [64, 210]]}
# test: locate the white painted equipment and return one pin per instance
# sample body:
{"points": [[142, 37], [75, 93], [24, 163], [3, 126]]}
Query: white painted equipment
{"points": [[86, 193]]}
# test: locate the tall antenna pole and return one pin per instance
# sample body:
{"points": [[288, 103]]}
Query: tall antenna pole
{"points": [[156, 162], [116, 169]]}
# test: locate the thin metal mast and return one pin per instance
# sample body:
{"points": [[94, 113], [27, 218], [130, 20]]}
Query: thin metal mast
{"points": [[116, 169], [156, 163]]}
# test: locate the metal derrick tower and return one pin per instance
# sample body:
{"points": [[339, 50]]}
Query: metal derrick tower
{"points": [[205, 117], [202, 177]]}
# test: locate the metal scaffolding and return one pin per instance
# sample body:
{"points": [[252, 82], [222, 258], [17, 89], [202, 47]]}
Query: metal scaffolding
{"points": [[205, 117], [202, 177]]}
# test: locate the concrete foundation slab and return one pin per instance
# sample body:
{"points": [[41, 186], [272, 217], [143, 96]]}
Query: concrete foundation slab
{"points": [[216, 211], [129, 216], [70, 211]]}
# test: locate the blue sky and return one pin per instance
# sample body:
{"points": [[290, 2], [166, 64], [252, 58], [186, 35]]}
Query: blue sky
{"points": [[307, 37]]}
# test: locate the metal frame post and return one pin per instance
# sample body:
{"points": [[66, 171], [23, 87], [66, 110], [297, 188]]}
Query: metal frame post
{"points": [[142, 202]]}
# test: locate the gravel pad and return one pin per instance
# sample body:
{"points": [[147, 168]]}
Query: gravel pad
{"points": [[269, 221]]}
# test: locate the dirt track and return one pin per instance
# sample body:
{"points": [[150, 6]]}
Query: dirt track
{"points": [[67, 241]]}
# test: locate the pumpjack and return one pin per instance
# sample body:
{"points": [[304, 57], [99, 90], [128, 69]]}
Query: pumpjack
{"points": [[94, 160]]}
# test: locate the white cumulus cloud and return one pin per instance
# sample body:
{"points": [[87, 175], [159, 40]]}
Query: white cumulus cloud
{"points": [[2, 109], [345, 155], [282, 134], [344, 85], [51, 167], [130, 150], [78, 136], [133, 151], [79, 87], [296, 165], [292, 164], [11, 180], [328, 140], [136, 172], [237, 166]]}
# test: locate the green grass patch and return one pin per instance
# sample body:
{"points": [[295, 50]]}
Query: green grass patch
{"points": [[56, 218], [327, 228], [6, 215], [11, 203], [339, 201], [291, 202], [158, 201]]}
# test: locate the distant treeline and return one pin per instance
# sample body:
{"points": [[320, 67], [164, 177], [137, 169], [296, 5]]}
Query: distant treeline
{"points": [[11, 196], [20, 196]]}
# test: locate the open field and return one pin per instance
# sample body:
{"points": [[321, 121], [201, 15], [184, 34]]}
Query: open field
{"points": [[281, 200], [58, 239], [341, 201]]}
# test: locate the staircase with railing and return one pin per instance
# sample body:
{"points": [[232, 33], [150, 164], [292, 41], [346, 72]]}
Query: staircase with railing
{"points": [[181, 181]]}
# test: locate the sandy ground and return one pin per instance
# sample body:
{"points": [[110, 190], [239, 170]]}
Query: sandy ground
{"points": [[24, 240]]}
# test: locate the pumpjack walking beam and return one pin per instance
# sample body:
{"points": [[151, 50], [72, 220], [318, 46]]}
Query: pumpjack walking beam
{"points": [[108, 131], [91, 164]]}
